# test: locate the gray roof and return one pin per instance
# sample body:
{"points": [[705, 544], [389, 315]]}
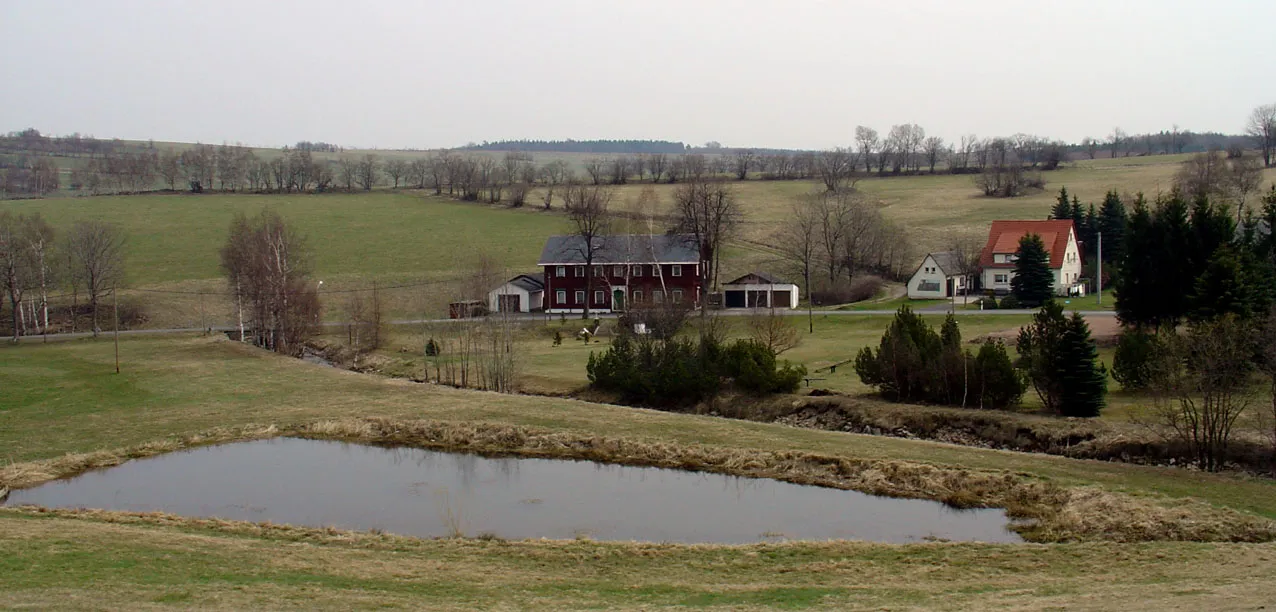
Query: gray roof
{"points": [[948, 261], [762, 276], [628, 248], [528, 282]]}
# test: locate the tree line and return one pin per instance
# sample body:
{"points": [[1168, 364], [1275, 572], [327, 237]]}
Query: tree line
{"points": [[85, 260]]}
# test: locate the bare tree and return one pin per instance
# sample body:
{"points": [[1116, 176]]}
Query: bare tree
{"points": [[97, 250], [170, 168], [268, 266], [1118, 140], [932, 148], [1203, 386], [799, 242], [772, 330], [588, 209], [595, 167], [743, 160], [656, 164], [367, 172], [866, 138], [709, 212], [1091, 146], [347, 172], [836, 169], [37, 236], [1261, 126], [396, 169], [16, 265], [619, 167]]}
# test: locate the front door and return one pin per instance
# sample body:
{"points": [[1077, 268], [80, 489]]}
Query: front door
{"points": [[618, 299]]}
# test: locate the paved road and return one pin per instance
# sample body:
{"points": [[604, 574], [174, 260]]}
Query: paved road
{"points": [[541, 317]]}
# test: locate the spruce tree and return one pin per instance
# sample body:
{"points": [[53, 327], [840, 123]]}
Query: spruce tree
{"points": [[1220, 289], [1039, 355], [1170, 251], [1061, 210], [1033, 282], [1112, 222], [1136, 301], [1088, 233], [1083, 379]]}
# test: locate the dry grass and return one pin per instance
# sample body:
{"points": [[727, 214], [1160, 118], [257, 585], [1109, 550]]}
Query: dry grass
{"points": [[1050, 513]]}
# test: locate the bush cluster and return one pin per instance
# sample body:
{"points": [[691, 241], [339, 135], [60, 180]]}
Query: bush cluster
{"points": [[913, 363], [682, 371]]}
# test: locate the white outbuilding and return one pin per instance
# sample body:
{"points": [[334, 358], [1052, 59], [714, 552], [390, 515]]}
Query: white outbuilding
{"points": [[939, 277], [523, 293], [758, 290]]}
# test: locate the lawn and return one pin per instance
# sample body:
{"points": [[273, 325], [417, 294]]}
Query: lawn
{"points": [[64, 397]]}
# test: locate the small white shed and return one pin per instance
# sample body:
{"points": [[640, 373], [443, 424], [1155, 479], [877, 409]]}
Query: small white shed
{"points": [[938, 277], [758, 290], [523, 293]]}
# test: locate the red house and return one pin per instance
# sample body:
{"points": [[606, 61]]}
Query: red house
{"points": [[627, 269]]}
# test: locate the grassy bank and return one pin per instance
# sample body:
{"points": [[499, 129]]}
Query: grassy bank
{"points": [[64, 398]]}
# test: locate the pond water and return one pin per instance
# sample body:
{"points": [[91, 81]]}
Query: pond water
{"points": [[425, 493]]}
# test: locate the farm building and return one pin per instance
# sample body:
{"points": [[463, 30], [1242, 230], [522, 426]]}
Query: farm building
{"points": [[758, 290], [523, 293], [997, 261], [626, 269], [938, 277]]}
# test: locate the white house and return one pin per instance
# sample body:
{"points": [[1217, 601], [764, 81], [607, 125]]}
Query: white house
{"points": [[997, 260], [939, 277], [523, 293], [758, 290]]}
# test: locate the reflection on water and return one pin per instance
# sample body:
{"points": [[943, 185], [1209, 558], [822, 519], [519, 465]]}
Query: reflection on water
{"points": [[426, 493]]}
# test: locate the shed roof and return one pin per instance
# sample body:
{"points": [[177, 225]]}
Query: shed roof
{"points": [[758, 278], [1003, 238], [528, 282], [625, 248]]}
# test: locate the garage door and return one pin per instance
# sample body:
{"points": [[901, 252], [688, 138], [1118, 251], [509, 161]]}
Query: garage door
{"points": [[508, 303]]}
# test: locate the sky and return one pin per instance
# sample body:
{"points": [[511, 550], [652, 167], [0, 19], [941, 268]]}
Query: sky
{"points": [[757, 73]]}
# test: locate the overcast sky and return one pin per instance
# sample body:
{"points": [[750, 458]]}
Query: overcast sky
{"points": [[783, 73]]}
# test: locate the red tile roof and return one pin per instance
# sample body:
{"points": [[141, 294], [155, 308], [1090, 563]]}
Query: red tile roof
{"points": [[1004, 237]]}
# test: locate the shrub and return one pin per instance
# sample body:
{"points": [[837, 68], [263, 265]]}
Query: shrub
{"points": [[558, 337], [915, 364], [1133, 361], [1010, 302], [862, 288], [988, 303], [431, 348], [753, 367]]}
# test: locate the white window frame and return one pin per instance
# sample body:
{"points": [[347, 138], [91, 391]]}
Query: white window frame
{"points": [[618, 271], [560, 297], [600, 297], [999, 279], [580, 296], [560, 271], [600, 270], [636, 296], [676, 296], [580, 271], [655, 270], [636, 270], [676, 270], [657, 296]]}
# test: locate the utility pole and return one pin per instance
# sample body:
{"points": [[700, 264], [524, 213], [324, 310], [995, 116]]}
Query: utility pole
{"points": [[116, 297], [1100, 274]]}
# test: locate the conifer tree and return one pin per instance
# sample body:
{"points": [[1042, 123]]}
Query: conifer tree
{"points": [[1136, 276], [1033, 282], [1039, 355], [1085, 380], [1220, 289], [1170, 253], [1112, 222], [1088, 233], [1061, 210]]}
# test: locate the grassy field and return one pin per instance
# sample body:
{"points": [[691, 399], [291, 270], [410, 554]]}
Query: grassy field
{"points": [[64, 398], [403, 237]]}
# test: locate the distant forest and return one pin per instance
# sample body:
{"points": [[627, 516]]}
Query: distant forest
{"points": [[580, 146]]}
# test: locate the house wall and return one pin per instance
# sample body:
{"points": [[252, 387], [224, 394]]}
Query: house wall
{"points": [[930, 273], [788, 294], [640, 286], [1064, 276], [526, 302]]}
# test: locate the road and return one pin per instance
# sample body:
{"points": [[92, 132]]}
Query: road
{"points": [[546, 318]]}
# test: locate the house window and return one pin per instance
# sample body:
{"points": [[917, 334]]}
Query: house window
{"points": [[655, 269], [637, 270], [560, 297], [580, 271], [618, 271], [599, 297], [657, 297], [560, 271], [677, 296], [599, 270], [677, 270], [580, 297], [637, 296], [999, 278]]}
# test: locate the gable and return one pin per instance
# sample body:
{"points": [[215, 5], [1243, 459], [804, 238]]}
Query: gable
{"points": [[1004, 236]]}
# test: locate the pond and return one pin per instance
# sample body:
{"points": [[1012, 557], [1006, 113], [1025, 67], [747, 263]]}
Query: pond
{"points": [[425, 493]]}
